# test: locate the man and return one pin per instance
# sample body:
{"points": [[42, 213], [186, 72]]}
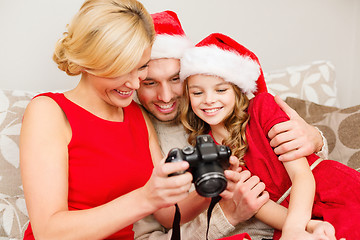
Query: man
{"points": [[160, 94]]}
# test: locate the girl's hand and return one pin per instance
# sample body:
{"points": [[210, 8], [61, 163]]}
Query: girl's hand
{"points": [[243, 197], [232, 175], [315, 230], [234, 164], [298, 234], [164, 191], [322, 230]]}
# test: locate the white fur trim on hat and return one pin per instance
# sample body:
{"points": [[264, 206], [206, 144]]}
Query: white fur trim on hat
{"points": [[232, 67], [170, 46]]}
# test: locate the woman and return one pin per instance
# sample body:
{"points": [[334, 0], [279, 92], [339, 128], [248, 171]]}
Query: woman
{"points": [[86, 154]]}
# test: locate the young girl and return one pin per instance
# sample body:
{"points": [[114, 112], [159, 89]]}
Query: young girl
{"points": [[218, 75]]}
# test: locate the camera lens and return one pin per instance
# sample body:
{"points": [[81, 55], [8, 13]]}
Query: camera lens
{"points": [[211, 184]]}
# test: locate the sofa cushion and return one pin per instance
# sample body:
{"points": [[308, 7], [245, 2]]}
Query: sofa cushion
{"points": [[339, 126], [13, 215], [314, 82]]}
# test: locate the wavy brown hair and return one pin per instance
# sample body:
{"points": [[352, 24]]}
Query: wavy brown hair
{"points": [[235, 122]]}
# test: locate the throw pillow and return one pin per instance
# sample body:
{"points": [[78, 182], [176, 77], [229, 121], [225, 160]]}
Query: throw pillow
{"points": [[13, 215], [339, 126], [314, 82]]}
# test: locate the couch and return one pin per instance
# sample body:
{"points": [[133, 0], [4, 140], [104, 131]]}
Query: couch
{"points": [[310, 89]]}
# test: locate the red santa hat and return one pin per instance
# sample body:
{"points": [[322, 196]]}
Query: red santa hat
{"points": [[170, 40], [221, 56]]}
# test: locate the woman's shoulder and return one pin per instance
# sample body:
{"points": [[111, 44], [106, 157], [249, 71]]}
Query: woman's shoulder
{"points": [[134, 109], [137, 114], [43, 100], [42, 107]]}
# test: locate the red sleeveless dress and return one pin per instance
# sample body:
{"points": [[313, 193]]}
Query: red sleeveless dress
{"points": [[106, 159]]}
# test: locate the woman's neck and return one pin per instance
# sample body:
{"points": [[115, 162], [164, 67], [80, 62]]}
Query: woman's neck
{"points": [[88, 99]]}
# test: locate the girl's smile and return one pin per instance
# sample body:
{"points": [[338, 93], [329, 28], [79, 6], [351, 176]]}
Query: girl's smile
{"points": [[212, 111]]}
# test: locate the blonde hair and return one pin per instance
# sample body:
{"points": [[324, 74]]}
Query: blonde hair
{"points": [[106, 38], [235, 122]]}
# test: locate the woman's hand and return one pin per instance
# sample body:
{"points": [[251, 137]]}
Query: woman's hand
{"points": [[164, 191]]}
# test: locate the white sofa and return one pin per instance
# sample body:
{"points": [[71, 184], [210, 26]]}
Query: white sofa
{"points": [[311, 86]]}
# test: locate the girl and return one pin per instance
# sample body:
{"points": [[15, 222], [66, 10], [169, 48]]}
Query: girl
{"points": [[86, 154], [218, 75]]}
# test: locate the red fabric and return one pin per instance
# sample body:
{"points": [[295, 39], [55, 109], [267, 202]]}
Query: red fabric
{"points": [[167, 22], [106, 159], [337, 198], [237, 237]]}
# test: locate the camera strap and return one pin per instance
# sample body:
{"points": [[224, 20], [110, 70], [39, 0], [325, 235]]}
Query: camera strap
{"points": [[176, 223]]}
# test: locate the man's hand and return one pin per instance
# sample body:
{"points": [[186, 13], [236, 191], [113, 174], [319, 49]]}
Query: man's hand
{"points": [[295, 138], [243, 197]]}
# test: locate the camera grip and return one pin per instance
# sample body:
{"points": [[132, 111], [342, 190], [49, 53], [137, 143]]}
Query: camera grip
{"points": [[174, 155]]}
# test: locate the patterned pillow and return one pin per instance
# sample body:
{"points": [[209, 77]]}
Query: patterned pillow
{"points": [[314, 82], [13, 215], [340, 128]]}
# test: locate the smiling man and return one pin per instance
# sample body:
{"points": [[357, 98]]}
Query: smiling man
{"points": [[160, 92]]}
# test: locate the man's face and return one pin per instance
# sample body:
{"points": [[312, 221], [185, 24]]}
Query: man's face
{"points": [[161, 90]]}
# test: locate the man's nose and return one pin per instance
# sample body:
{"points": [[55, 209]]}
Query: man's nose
{"points": [[164, 93]]}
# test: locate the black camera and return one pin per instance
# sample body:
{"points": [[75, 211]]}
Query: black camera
{"points": [[207, 163]]}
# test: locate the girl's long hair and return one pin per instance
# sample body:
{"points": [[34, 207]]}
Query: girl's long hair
{"points": [[235, 122]]}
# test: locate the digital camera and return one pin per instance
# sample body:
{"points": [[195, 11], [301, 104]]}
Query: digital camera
{"points": [[207, 163]]}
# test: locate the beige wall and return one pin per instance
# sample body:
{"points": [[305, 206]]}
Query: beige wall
{"points": [[280, 32]]}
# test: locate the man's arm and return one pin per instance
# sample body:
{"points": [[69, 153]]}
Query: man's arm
{"points": [[296, 138]]}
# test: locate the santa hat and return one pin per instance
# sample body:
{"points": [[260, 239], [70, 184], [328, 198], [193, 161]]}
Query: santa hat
{"points": [[170, 40], [221, 56]]}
